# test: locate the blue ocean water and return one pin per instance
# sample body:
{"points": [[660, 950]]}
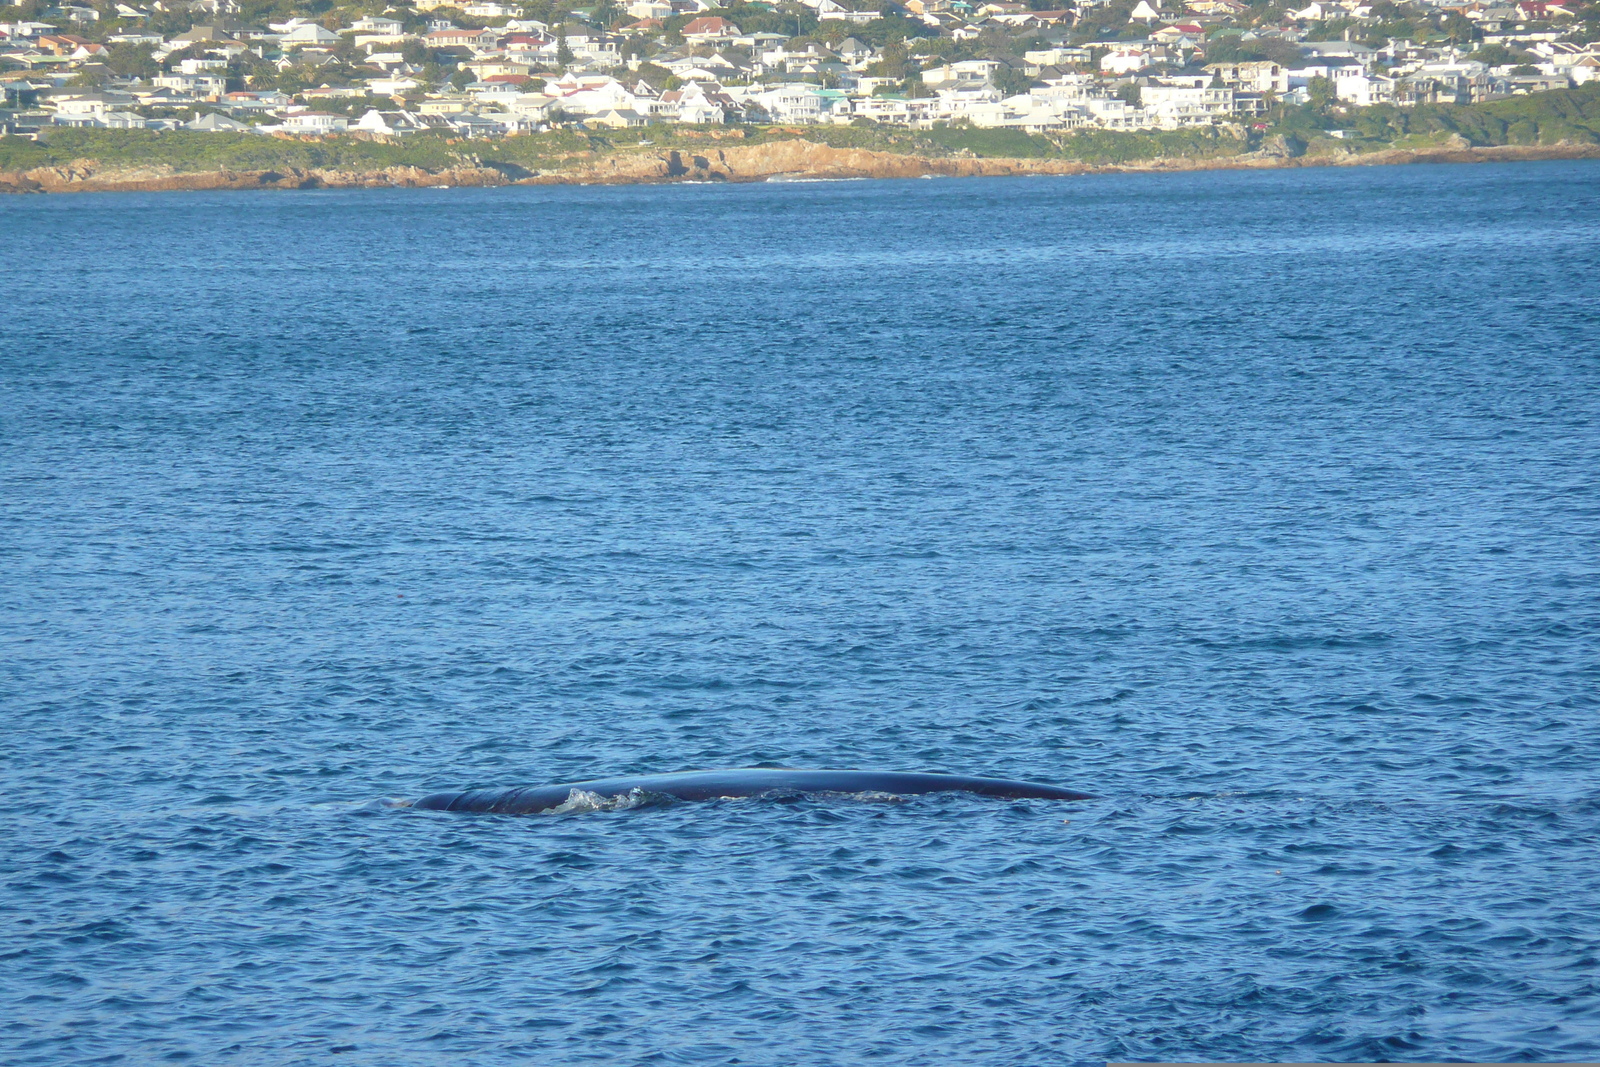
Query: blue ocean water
{"points": [[1263, 505]]}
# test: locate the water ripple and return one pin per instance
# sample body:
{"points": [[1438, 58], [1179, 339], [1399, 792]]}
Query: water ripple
{"points": [[1261, 505]]}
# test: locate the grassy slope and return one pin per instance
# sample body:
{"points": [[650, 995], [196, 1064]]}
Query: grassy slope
{"points": [[192, 151], [1569, 115], [1547, 118]]}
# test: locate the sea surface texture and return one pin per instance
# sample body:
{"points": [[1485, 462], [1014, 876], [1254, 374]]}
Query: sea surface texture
{"points": [[1265, 506]]}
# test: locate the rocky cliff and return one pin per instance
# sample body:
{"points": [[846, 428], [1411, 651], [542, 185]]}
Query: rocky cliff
{"points": [[777, 160], [87, 175]]}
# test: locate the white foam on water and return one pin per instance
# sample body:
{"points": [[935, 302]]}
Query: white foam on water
{"points": [[784, 179], [582, 800]]}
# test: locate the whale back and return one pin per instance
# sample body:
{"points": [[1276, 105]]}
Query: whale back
{"points": [[742, 782]]}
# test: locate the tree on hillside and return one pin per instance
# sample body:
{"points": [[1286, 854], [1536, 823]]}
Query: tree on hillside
{"points": [[1230, 49], [1320, 90], [892, 64], [132, 61], [880, 31], [1099, 23], [755, 18], [1457, 28], [1498, 55], [655, 75], [1011, 81]]}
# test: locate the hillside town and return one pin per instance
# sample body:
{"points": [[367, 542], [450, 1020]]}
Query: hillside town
{"points": [[491, 69]]}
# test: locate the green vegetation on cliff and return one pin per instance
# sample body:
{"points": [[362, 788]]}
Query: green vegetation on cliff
{"points": [[1565, 115], [187, 151]]}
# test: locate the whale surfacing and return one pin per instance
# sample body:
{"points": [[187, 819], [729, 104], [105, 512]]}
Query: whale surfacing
{"points": [[742, 782]]}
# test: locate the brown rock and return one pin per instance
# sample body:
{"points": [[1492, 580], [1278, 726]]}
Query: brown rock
{"points": [[796, 158]]}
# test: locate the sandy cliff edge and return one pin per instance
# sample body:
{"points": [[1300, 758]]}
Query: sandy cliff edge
{"points": [[793, 159]]}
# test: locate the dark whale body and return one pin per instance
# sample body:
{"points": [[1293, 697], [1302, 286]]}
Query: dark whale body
{"points": [[743, 782]]}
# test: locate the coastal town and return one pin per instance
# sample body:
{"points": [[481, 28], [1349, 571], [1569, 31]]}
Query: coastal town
{"points": [[490, 69]]}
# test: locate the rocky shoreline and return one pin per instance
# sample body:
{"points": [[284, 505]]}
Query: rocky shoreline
{"points": [[779, 160]]}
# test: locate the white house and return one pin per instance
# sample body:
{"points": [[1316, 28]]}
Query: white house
{"points": [[792, 103], [193, 84], [388, 123], [617, 119], [124, 120], [828, 10], [308, 34], [1171, 106], [704, 68], [376, 24], [1255, 76], [25, 31], [592, 49], [598, 96], [967, 72], [533, 106], [1356, 86], [315, 122], [1584, 70], [693, 104], [89, 105], [214, 123], [397, 86], [1055, 57], [1112, 113], [1125, 60]]}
